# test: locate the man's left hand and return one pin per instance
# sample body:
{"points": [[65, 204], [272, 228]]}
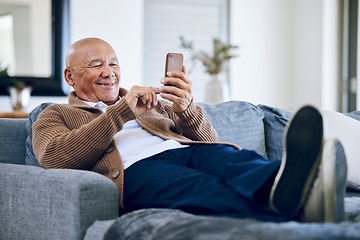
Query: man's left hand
{"points": [[177, 89]]}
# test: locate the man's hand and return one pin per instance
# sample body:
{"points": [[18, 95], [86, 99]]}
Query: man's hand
{"points": [[177, 89], [141, 99]]}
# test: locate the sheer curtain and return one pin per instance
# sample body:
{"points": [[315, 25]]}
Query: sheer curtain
{"points": [[198, 21]]}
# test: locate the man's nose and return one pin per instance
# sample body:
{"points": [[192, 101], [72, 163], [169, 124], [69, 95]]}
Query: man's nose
{"points": [[107, 71]]}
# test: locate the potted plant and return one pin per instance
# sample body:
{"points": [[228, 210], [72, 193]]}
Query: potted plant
{"points": [[3, 71], [20, 90], [214, 63]]}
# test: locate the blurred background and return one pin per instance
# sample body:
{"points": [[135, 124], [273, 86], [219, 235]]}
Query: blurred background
{"points": [[286, 53]]}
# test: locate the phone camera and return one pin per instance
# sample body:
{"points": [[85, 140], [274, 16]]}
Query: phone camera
{"points": [[170, 56]]}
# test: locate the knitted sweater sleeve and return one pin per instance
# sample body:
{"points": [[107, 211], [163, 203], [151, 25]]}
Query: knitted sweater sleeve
{"points": [[193, 125], [65, 137]]}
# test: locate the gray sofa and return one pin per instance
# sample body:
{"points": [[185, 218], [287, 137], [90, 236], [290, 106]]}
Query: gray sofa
{"points": [[71, 204]]}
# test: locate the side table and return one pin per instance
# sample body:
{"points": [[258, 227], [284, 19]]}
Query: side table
{"points": [[15, 114]]}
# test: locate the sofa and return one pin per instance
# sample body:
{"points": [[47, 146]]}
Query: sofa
{"points": [[36, 203]]}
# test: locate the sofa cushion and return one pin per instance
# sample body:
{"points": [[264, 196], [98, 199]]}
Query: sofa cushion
{"points": [[12, 132], [275, 120], [238, 122], [30, 158]]}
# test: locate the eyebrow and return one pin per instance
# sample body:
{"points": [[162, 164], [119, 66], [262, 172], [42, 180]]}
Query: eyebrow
{"points": [[114, 59]]}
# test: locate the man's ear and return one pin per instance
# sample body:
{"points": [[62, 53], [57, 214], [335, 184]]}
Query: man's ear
{"points": [[68, 77]]}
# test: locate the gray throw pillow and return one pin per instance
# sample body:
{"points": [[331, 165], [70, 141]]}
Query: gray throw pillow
{"points": [[275, 120], [30, 158], [238, 122]]}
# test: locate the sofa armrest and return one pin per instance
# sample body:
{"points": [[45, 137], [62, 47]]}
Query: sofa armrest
{"points": [[53, 204]]}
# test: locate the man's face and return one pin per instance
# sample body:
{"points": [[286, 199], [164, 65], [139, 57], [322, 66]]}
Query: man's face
{"points": [[94, 73]]}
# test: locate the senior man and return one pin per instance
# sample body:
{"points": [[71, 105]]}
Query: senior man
{"points": [[165, 154]]}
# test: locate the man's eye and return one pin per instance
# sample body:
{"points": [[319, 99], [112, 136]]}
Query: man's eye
{"points": [[96, 66]]}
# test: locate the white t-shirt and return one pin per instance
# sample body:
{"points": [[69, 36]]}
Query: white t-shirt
{"points": [[135, 143]]}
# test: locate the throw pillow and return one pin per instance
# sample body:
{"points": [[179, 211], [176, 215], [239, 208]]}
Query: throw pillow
{"points": [[238, 122], [275, 120], [30, 158]]}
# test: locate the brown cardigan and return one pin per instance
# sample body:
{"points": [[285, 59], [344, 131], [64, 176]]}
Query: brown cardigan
{"points": [[78, 136]]}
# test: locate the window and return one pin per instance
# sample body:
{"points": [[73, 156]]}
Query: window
{"points": [[350, 55], [198, 21], [7, 55], [53, 29]]}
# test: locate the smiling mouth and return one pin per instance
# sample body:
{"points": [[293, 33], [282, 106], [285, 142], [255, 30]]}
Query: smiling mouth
{"points": [[106, 84]]}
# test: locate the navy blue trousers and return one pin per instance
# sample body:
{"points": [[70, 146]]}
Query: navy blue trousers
{"points": [[203, 179]]}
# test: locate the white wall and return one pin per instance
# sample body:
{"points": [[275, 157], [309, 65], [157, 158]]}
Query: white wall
{"points": [[288, 55], [307, 50], [263, 29], [118, 22]]}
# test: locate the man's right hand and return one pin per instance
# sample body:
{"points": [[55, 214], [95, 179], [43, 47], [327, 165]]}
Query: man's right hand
{"points": [[142, 99]]}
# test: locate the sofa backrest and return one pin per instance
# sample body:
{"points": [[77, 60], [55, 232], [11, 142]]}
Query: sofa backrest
{"points": [[252, 127], [12, 140], [235, 121], [238, 122]]}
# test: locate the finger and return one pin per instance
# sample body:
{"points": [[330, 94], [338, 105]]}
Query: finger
{"points": [[174, 82], [168, 96], [149, 99], [154, 93], [142, 98], [172, 90], [184, 70], [156, 90], [154, 99], [179, 83], [181, 75]]}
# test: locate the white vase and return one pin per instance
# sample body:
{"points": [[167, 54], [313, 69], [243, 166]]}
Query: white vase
{"points": [[19, 97], [214, 92]]}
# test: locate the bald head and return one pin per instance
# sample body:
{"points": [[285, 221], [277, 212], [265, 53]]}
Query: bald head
{"points": [[82, 46]]}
